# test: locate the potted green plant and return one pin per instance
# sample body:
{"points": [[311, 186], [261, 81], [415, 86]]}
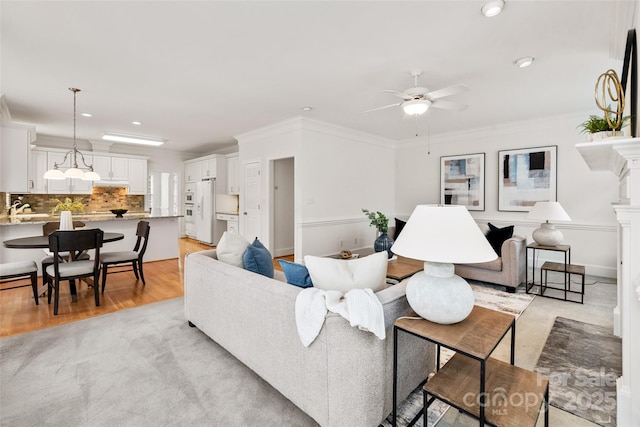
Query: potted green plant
{"points": [[380, 221], [597, 127], [75, 205]]}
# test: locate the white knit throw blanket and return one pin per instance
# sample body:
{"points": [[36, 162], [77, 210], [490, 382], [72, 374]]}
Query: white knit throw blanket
{"points": [[360, 307]]}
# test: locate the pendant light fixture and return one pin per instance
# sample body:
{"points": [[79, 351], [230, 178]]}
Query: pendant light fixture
{"points": [[74, 171]]}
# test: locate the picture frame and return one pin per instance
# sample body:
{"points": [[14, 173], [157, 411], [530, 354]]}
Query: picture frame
{"points": [[462, 180], [527, 176]]}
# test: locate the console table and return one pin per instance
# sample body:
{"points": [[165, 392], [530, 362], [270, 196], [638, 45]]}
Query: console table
{"points": [[470, 379]]}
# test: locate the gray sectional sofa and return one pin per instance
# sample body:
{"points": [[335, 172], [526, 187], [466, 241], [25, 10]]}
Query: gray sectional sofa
{"points": [[344, 378], [507, 270]]}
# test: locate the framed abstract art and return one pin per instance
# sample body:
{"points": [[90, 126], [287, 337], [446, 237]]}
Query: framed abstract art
{"points": [[526, 176], [462, 181]]}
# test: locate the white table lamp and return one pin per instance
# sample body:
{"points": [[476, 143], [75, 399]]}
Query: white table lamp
{"points": [[440, 236], [547, 235]]}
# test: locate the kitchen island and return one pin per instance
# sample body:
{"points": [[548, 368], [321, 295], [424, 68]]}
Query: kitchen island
{"points": [[163, 238]]}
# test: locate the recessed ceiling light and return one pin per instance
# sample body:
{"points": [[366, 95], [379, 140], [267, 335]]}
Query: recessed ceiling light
{"points": [[307, 108], [523, 62], [492, 8], [136, 123], [86, 115], [132, 139]]}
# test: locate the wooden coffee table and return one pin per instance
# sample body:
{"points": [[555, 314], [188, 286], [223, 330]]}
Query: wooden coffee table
{"points": [[401, 268]]}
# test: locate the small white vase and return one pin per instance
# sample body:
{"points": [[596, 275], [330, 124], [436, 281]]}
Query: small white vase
{"points": [[66, 222]]}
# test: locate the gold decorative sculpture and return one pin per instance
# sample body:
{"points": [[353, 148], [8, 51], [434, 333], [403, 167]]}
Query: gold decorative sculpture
{"points": [[609, 92]]}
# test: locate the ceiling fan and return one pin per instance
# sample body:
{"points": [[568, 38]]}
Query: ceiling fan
{"points": [[417, 100]]}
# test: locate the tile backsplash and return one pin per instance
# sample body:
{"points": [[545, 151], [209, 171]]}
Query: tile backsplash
{"points": [[101, 200]]}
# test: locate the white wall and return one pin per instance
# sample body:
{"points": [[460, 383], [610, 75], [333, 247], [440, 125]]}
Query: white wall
{"points": [[585, 195], [338, 172]]}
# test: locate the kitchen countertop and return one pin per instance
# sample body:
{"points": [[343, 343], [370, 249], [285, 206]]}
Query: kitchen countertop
{"points": [[29, 219]]}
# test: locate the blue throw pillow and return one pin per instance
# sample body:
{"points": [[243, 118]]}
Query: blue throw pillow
{"points": [[258, 259], [296, 274]]}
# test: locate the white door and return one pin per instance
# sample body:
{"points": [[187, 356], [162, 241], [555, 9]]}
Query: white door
{"points": [[252, 193]]}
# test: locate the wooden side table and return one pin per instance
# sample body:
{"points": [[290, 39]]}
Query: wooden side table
{"points": [[566, 249], [568, 270], [470, 371]]}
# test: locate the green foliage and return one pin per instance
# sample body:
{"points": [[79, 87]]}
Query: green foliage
{"points": [[596, 124], [74, 205], [378, 220]]}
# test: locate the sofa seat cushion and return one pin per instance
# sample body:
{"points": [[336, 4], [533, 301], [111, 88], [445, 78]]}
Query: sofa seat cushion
{"points": [[495, 265], [332, 274]]}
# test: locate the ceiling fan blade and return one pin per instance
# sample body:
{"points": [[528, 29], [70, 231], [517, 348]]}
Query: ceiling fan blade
{"points": [[448, 105], [400, 94], [383, 107], [447, 91]]}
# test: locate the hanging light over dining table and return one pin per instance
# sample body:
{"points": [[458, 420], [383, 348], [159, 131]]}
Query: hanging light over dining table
{"points": [[85, 172]]}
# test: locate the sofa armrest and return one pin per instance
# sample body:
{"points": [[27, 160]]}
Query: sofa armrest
{"points": [[513, 259]]}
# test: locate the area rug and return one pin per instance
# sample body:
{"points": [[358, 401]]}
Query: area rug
{"points": [[582, 362], [487, 296], [138, 367]]}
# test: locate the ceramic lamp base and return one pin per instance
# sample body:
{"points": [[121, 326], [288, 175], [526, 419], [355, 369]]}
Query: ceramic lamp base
{"points": [[438, 295], [547, 235]]}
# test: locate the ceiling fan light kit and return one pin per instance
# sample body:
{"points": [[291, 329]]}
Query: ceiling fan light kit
{"points": [[417, 99], [416, 107], [492, 8]]}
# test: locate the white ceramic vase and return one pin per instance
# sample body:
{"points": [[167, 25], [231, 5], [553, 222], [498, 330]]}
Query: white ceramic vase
{"points": [[66, 222]]}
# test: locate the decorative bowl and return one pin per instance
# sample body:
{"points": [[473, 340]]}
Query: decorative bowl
{"points": [[119, 212]]}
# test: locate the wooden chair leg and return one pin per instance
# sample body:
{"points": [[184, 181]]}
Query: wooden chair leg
{"points": [[34, 285], [139, 262], [104, 276], [96, 285], [56, 296], [134, 267]]}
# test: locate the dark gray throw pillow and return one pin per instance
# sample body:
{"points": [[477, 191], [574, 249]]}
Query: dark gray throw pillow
{"points": [[399, 226], [496, 236]]}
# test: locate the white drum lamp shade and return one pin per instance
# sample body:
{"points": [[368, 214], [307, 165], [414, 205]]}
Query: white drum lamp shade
{"points": [[441, 236], [547, 235]]}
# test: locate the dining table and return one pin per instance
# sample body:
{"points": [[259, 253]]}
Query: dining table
{"points": [[42, 242]]}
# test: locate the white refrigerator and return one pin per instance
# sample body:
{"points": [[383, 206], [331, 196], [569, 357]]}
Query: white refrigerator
{"points": [[208, 229]]}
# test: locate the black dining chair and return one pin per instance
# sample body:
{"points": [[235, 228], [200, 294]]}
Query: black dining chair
{"points": [[18, 270], [74, 242], [47, 229], [111, 259]]}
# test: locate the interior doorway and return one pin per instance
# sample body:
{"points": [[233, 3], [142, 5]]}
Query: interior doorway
{"points": [[282, 195]]}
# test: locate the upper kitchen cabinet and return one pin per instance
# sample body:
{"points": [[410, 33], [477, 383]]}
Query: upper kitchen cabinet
{"points": [[234, 174], [15, 157], [37, 169], [137, 176], [111, 168], [130, 171], [192, 171], [68, 185], [209, 168]]}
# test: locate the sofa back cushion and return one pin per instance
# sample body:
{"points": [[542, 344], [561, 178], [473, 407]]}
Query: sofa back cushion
{"points": [[343, 275]]}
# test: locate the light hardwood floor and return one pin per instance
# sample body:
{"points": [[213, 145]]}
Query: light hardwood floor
{"points": [[19, 314]]}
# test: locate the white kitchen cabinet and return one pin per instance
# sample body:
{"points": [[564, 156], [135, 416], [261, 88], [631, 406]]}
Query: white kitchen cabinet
{"points": [[37, 169], [234, 174], [111, 168], [15, 157], [192, 171], [66, 186], [209, 168], [137, 176]]}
